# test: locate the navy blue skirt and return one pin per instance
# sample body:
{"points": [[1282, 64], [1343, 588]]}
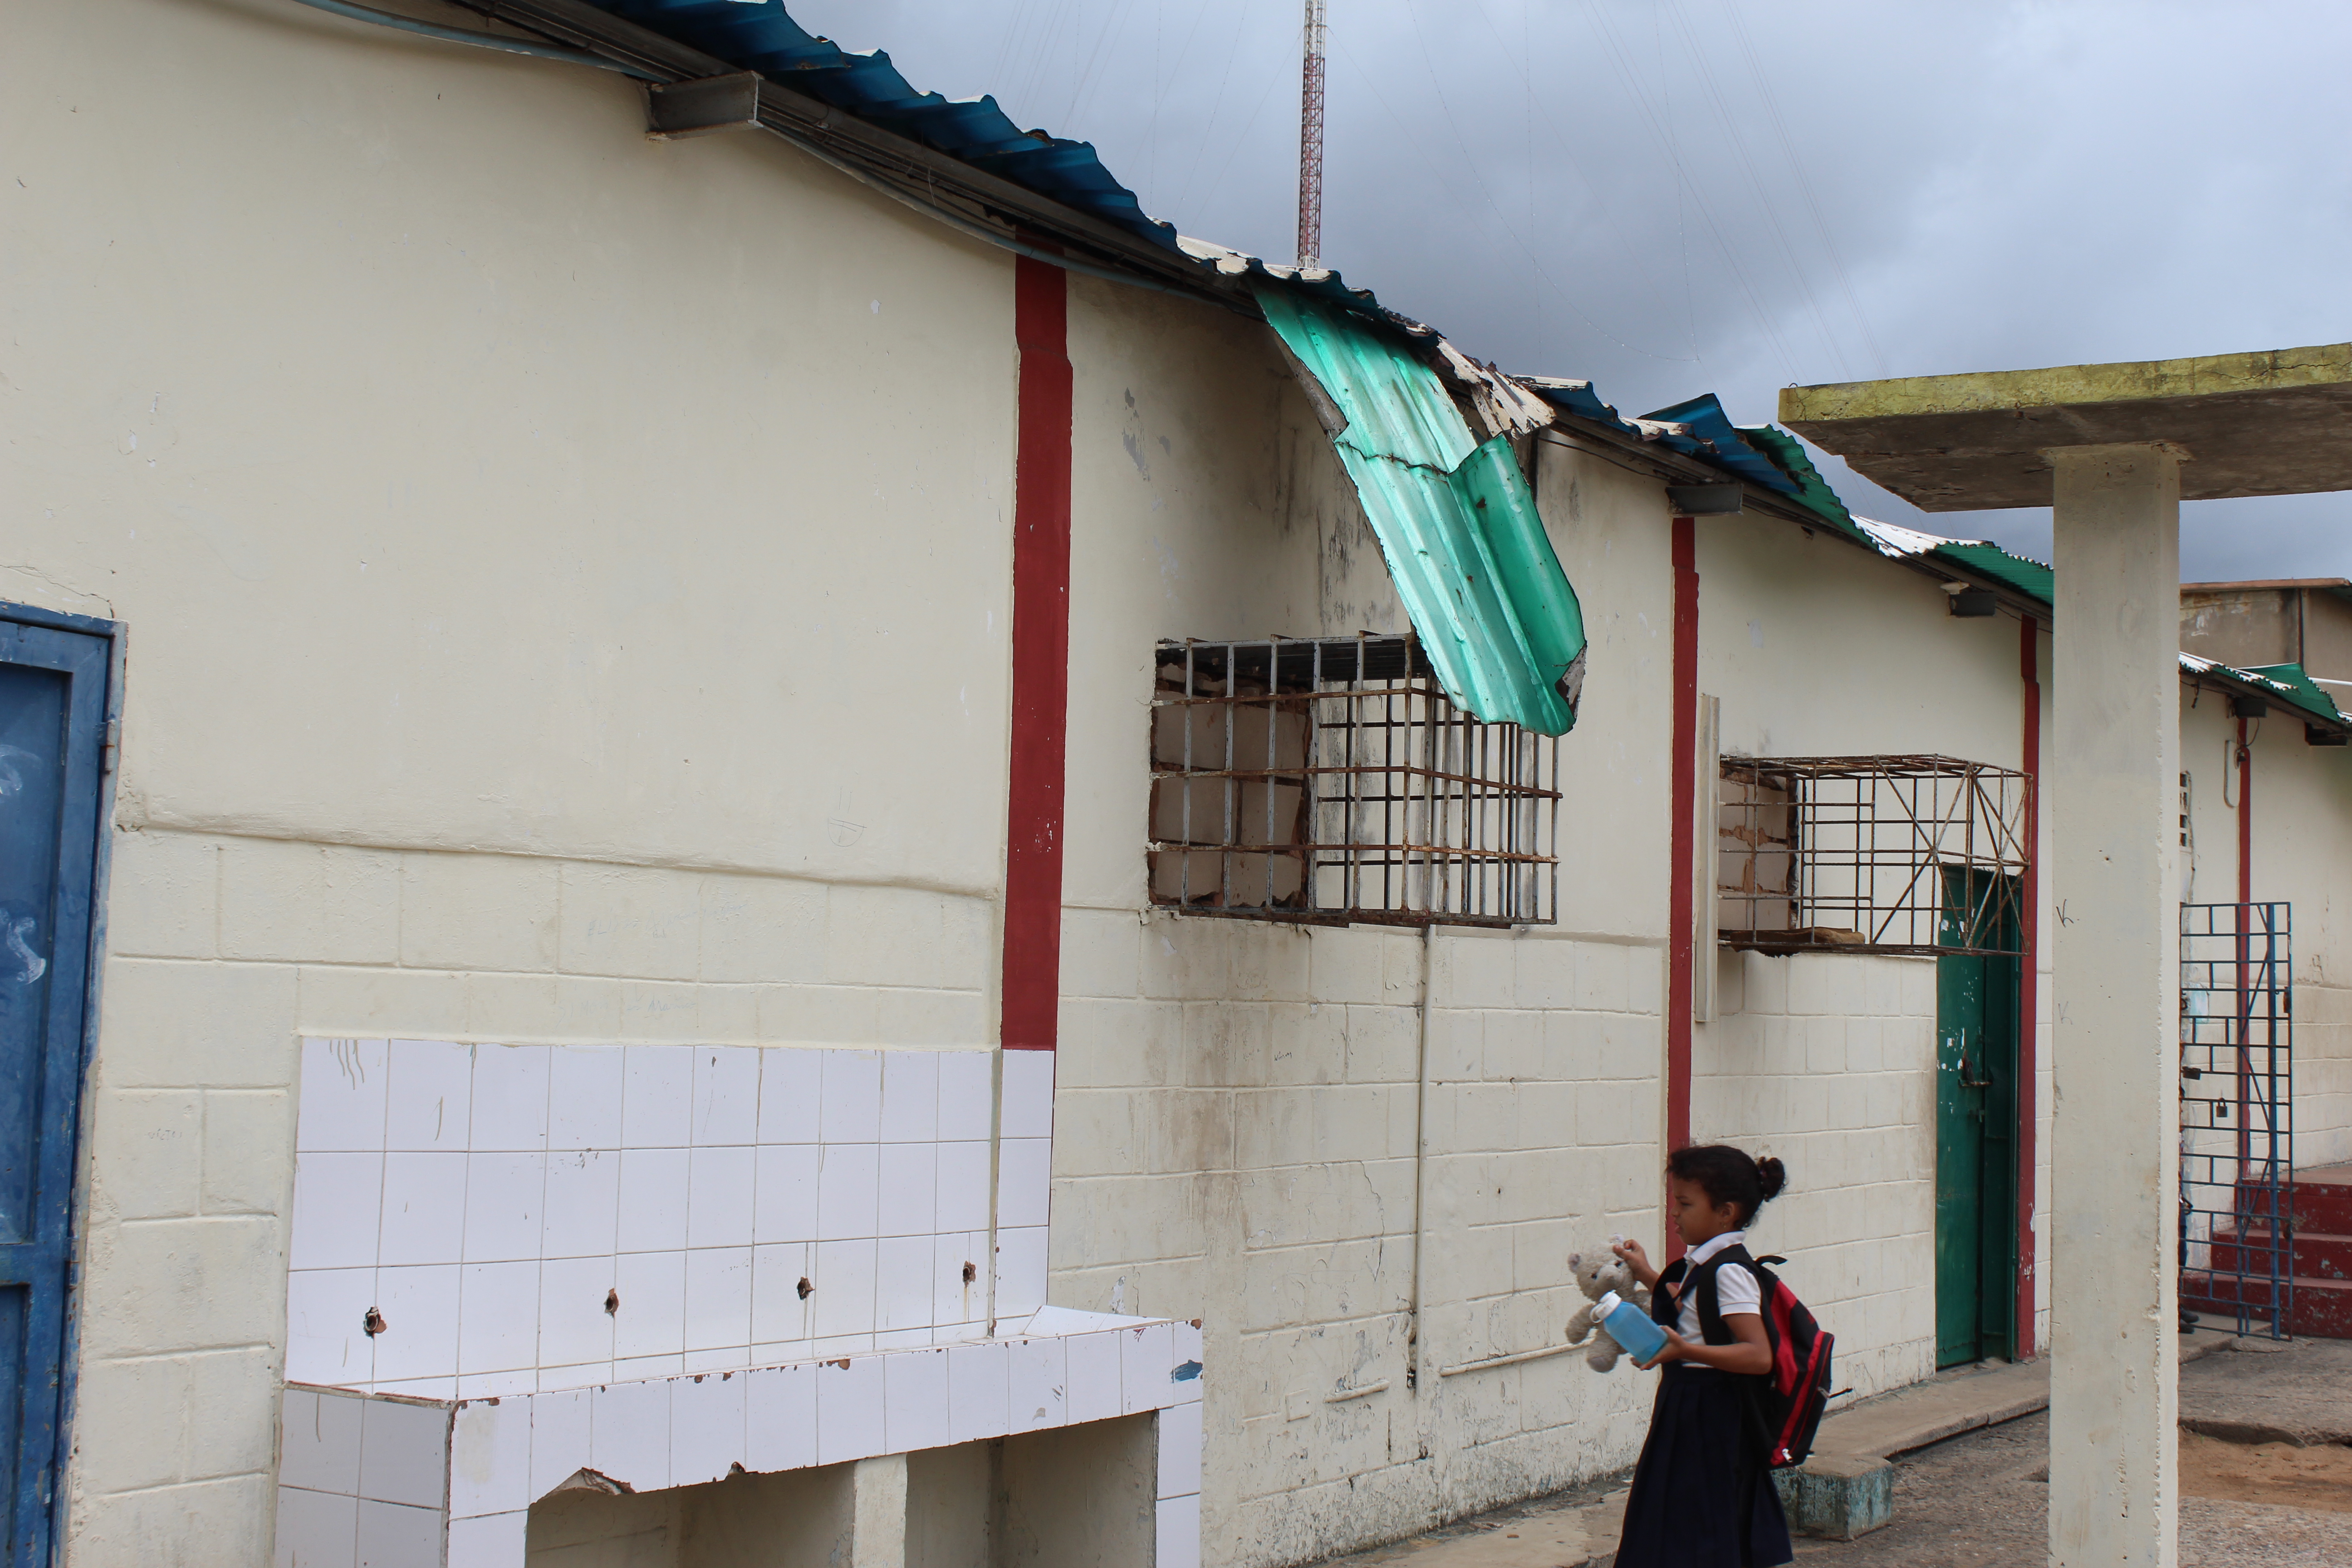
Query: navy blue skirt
{"points": [[1702, 1498]]}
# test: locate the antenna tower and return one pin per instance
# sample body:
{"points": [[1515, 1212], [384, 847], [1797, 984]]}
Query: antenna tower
{"points": [[1310, 143]]}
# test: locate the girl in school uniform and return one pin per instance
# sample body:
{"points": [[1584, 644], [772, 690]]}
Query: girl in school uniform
{"points": [[1702, 1497]]}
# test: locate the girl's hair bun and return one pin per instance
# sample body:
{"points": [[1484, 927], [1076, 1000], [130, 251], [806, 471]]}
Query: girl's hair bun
{"points": [[1771, 1176]]}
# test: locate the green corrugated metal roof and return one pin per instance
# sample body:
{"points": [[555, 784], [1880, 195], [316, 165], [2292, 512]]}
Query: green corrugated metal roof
{"points": [[2296, 685], [1455, 519], [2031, 578]]}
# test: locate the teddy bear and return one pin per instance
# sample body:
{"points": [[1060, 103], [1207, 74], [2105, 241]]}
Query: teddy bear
{"points": [[1597, 1274]]}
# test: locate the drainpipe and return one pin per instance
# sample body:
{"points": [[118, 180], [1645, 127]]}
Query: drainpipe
{"points": [[2029, 983], [1683, 847]]}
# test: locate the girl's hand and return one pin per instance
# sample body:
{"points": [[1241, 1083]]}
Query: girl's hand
{"points": [[1677, 1349], [1630, 1253]]}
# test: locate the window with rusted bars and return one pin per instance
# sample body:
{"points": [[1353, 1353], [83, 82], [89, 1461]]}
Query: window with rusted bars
{"points": [[1332, 779], [1892, 854]]}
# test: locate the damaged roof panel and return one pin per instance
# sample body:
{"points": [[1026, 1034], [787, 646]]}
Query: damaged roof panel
{"points": [[1453, 514]]}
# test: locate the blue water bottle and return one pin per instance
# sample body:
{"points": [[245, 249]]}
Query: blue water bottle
{"points": [[1630, 1326]]}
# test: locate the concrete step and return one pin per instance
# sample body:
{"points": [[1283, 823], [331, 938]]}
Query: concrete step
{"points": [[2322, 1307], [2312, 1254], [2321, 1200]]}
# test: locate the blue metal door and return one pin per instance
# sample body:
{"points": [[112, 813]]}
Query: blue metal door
{"points": [[53, 717]]}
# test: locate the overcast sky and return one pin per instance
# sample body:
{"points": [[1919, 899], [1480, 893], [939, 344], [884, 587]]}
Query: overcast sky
{"points": [[1676, 196]]}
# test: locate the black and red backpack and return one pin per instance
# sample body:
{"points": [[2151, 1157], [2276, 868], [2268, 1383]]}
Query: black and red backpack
{"points": [[1786, 1402]]}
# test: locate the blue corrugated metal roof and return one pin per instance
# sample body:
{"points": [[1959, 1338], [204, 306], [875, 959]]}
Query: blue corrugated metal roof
{"points": [[760, 36], [1714, 437]]}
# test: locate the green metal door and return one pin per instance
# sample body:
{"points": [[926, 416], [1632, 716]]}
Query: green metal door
{"points": [[1976, 1142]]}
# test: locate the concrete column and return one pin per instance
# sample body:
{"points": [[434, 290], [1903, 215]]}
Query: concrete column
{"points": [[2113, 791], [878, 1514]]}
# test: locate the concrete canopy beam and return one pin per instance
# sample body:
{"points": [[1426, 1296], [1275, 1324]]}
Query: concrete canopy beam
{"points": [[2273, 423]]}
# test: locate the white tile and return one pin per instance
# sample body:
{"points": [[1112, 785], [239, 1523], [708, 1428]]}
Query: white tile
{"points": [[404, 1453], [583, 1096], [779, 1312], [652, 1317], [1093, 1390], [424, 1209], [791, 1091], [849, 1411], [718, 1297], [727, 1358], [341, 1107], [583, 1203], [957, 1333], [832, 1347], [909, 1196], [498, 1306], [903, 1339], [706, 1428], [967, 1096], [1024, 1179], [505, 1385], [915, 1400], [1028, 1108], [1066, 1321], [653, 1199], [902, 1283], [1020, 1272], [850, 1099], [978, 1389], [645, 1368], [784, 1197], [956, 1299], [321, 1441], [560, 1429], [509, 1097], [326, 1337], [338, 1199], [1143, 1364], [1179, 1450], [490, 1458], [910, 1097], [629, 1433], [1184, 1369], [843, 1300], [493, 1541], [439, 1390], [392, 1535], [317, 1530], [573, 1327], [658, 1103], [1040, 1384], [963, 1186], [1179, 1529], [721, 1192], [726, 1095], [780, 1418], [420, 1313], [506, 1200], [848, 1191], [430, 1097]]}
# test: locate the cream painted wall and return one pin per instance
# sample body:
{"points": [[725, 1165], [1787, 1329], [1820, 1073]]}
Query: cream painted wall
{"points": [[2302, 831], [561, 572]]}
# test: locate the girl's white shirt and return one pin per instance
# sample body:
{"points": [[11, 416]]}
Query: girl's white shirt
{"points": [[1736, 1292]]}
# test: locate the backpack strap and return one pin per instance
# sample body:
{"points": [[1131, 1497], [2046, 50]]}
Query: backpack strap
{"points": [[1665, 1306], [1711, 1326]]}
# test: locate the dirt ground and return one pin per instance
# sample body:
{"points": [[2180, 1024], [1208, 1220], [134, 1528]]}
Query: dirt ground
{"points": [[2265, 1478]]}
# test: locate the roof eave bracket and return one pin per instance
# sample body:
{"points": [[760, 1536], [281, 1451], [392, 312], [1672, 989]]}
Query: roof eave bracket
{"points": [[675, 111]]}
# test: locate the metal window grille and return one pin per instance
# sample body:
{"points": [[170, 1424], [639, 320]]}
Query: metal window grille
{"points": [[1895, 854], [1333, 780], [2237, 1113]]}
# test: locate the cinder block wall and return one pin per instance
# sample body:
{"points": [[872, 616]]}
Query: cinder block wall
{"points": [[1236, 1138], [223, 950], [1828, 1062]]}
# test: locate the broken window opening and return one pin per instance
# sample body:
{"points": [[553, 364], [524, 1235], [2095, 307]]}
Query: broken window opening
{"points": [[1890, 854], [1332, 780]]}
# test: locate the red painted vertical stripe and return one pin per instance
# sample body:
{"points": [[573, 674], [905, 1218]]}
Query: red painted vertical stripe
{"points": [[2245, 942], [1040, 660], [2245, 826], [2029, 983], [1682, 843]]}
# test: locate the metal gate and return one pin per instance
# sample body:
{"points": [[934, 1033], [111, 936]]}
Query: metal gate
{"points": [[2237, 1113]]}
